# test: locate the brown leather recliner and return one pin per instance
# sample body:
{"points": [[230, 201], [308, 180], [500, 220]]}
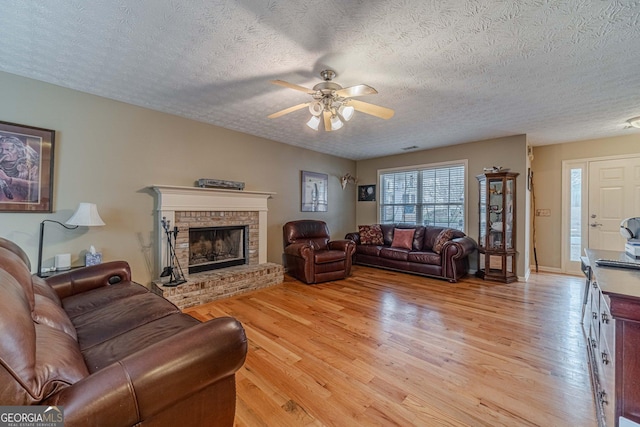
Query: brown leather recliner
{"points": [[310, 254], [111, 352]]}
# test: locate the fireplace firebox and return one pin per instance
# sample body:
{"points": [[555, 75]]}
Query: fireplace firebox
{"points": [[211, 248]]}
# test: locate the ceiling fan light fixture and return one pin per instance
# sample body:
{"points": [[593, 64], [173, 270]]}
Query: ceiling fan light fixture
{"points": [[314, 122], [336, 123], [316, 108], [635, 122], [346, 111], [333, 105]]}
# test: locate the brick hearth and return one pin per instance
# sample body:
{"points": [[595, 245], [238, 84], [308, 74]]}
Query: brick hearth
{"points": [[208, 286]]}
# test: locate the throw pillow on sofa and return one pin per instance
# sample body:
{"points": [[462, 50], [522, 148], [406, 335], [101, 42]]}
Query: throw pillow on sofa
{"points": [[370, 234], [403, 238], [443, 237]]}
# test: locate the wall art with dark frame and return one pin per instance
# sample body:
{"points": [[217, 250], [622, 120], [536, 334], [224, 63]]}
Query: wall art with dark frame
{"points": [[366, 193], [26, 168], [315, 196]]}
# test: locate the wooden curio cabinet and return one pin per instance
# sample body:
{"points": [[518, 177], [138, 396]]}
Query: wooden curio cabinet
{"points": [[497, 231]]}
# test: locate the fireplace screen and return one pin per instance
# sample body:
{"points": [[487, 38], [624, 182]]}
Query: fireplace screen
{"points": [[217, 247]]}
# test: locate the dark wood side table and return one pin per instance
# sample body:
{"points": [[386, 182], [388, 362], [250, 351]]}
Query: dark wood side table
{"points": [[54, 273]]}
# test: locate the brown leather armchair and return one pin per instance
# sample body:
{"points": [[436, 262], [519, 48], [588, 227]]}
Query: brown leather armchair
{"points": [[311, 256]]}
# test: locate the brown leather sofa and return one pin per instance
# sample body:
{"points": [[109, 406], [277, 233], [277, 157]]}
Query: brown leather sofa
{"points": [[311, 256], [111, 352], [450, 261]]}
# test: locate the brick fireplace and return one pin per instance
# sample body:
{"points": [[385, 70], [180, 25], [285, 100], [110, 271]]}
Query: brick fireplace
{"points": [[197, 208]]}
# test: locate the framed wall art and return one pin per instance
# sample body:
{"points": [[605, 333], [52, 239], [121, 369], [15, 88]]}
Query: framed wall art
{"points": [[314, 192], [366, 193], [26, 168]]}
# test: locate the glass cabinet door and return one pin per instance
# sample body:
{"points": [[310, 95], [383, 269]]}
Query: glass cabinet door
{"points": [[508, 214], [482, 241], [496, 211]]}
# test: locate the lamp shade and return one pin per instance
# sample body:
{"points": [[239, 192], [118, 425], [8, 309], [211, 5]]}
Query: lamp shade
{"points": [[86, 215], [336, 123], [316, 108], [346, 112], [635, 122], [314, 122]]}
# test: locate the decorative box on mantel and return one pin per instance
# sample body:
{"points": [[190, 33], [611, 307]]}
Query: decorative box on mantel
{"points": [[197, 208]]}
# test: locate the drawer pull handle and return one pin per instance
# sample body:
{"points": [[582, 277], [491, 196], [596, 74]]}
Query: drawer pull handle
{"points": [[602, 397]]}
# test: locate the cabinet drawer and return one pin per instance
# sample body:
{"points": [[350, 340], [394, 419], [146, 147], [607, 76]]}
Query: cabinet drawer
{"points": [[606, 361], [593, 339], [594, 313], [606, 366], [607, 324]]}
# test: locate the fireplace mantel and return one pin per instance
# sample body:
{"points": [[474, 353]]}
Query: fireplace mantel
{"points": [[175, 198], [172, 199]]}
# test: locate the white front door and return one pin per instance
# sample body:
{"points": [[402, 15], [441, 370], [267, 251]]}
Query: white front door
{"points": [[614, 194]]}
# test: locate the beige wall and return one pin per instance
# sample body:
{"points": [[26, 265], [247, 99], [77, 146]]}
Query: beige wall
{"points": [[547, 167], [509, 152], [109, 153]]}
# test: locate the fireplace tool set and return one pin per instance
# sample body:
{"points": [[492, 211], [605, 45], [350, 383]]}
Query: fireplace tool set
{"points": [[173, 269]]}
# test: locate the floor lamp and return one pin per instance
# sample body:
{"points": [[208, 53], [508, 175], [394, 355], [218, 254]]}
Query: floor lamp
{"points": [[86, 215]]}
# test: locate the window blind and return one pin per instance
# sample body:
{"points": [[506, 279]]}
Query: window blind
{"points": [[425, 196]]}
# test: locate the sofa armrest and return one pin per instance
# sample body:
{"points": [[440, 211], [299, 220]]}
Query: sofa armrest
{"points": [[459, 247], [353, 236], [91, 277], [128, 392]]}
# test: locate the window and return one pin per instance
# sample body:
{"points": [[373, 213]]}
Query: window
{"points": [[575, 215], [426, 195]]}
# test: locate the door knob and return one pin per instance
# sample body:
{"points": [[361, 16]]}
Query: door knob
{"points": [[595, 224]]}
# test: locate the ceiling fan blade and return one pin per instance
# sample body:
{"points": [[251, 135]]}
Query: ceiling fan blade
{"points": [[292, 86], [288, 110], [374, 110], [358, 90], [327, 120]]}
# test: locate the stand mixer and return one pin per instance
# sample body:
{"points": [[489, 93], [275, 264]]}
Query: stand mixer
{"points": [[630, 230]]}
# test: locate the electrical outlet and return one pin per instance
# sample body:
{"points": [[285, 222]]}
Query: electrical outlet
{"points": [[543, 212]]}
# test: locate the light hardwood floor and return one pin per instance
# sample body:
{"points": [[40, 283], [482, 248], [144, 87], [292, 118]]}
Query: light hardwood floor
{"points": [[385, 348]]}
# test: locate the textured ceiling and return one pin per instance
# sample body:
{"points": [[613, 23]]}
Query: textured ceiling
{"points": [[453, 71]]}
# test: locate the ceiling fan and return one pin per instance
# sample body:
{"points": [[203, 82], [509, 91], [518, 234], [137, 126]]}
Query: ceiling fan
{"points": [[333, 102]]}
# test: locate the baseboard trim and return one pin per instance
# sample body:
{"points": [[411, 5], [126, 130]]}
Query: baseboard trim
{"points": [[546, 269]]}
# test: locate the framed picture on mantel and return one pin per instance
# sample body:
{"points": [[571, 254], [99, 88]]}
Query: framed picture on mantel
{"points": [[26, 168], [314, 192]]}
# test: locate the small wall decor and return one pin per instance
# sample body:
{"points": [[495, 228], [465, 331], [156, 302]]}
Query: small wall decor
{"points": [[366, 193], [346, 179], [314, 192], [26, 168]]}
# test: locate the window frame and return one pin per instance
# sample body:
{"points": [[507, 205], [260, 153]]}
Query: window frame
{"points": [[419, 168]]}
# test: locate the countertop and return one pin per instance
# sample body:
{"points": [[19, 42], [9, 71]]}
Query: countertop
{"points": [[613, 280]]}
